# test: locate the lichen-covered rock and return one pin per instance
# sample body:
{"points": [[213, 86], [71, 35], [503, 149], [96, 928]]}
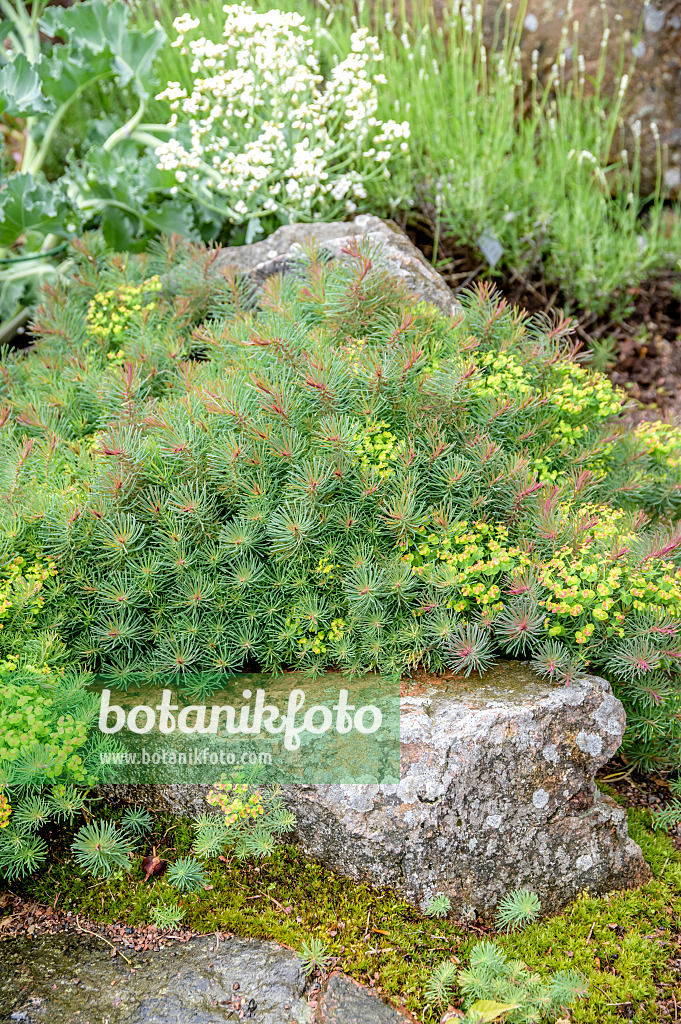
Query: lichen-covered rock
{"points": [[71, 979], [275, 255], [497, 792]]}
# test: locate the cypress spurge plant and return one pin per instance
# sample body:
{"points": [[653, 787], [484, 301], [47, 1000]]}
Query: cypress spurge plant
{"points": [[329, 473]]}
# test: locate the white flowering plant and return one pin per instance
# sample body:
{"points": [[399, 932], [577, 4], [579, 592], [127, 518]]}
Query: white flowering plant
{"points": [[261, 137]]}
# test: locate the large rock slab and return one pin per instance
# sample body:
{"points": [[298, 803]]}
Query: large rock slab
{"points": [[497, 793], [276, 255], [71, 979]]}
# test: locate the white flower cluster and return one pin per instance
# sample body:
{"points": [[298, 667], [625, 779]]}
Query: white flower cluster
{"points": [[261, 126]]}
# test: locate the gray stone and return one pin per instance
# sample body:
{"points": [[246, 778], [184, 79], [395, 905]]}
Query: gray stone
{"points": [[276, 255], [343, 1001], [70, 979], [497, 793]]}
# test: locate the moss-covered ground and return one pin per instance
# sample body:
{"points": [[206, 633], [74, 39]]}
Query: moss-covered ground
{"points": [[627, 944]]}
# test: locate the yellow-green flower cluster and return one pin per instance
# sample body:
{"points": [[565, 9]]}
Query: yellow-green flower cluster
{"points": [[312, 639], [662, 442], [325, 570], [21, 583], [111, 312], [579, 396], [353, 349], [26, 717], [504, 375], [583, 398], [233, 800], [5, 810], [477, 554], [378, 447], [591, 584]]}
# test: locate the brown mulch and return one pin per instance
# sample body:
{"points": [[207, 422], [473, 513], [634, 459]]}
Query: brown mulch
{"points": [[20, 917]]}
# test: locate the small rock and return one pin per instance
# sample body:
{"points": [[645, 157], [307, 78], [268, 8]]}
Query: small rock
{"points": [[402, 257]]}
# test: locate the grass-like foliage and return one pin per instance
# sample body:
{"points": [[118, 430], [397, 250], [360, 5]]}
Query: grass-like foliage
{"points": [[332, 474]]}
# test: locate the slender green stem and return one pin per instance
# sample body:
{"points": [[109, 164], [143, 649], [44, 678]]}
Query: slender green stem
{"points": [[93, 204], [17, 16], [145, 138], [35, 164], [27, 270], [125, 130], [145, 127]]}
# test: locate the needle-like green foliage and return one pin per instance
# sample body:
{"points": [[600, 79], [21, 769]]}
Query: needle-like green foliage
{"points": [[517, 909], [186, 875], [527, 996], [136, 821], [314, 956], [330, 473], [167, 915], [102, 848]]}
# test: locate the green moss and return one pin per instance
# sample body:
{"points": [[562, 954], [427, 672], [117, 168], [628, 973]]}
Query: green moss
{"points": [[617, 941]]}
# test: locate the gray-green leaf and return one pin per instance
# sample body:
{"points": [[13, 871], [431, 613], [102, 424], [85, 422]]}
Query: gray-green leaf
{"points": [[20, 90]]}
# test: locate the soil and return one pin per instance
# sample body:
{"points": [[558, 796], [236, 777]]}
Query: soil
{"points": [[646, 342]]}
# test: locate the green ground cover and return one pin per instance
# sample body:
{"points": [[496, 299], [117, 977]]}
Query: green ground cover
{"points": [[622, 943]]}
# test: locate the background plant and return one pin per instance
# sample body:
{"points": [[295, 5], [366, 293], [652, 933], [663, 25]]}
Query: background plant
{"points": [[49, 757], [261, 137], [56, 59], [536, 179], [253, 819]]}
